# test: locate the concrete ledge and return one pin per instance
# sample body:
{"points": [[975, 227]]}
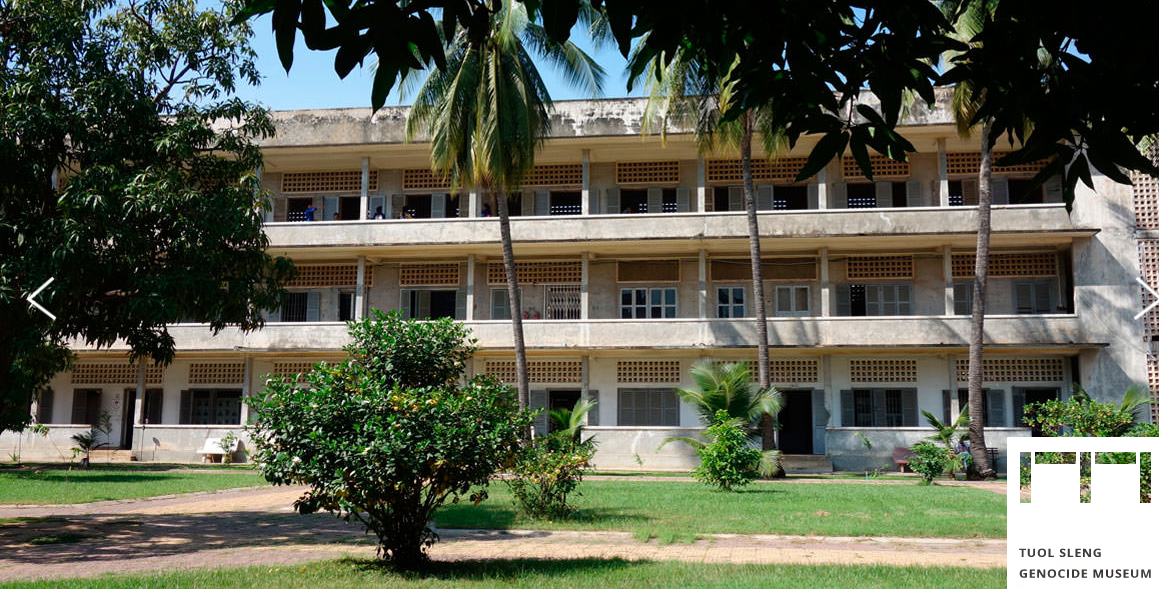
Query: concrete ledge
{"points": [[846, 451]]}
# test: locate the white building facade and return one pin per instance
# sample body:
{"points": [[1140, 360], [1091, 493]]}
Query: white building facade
{"points": [[633, 264]]}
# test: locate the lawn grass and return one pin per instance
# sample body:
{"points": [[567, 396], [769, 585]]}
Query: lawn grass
{"points": [[39, 487], [680, 510], [606, 574]]}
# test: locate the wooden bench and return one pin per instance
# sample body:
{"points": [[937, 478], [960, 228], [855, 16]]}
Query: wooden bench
{"points": [[212, 448], [901, 457]]}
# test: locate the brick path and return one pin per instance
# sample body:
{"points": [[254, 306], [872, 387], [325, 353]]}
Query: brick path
{"points": [[257, 526]]}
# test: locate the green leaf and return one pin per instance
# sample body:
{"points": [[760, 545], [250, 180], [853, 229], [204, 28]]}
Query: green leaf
{"points": [[829, 147]]}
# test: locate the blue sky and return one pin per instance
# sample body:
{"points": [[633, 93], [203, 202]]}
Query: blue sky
{"points": [[312, 82]]}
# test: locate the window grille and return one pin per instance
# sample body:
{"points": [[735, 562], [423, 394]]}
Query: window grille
{"points": [[665, 172], [113, 374], [538, 371], [537, 273], [1008, 265], [329, 275], [216, 373], [967, 163], [423, 179], [1149, 268], [1015, 369], [883, 370], [882, 167], [338, 181], [561, 301], [880, 267], [555, 175], [1146, 191], [428, 275], [648, 371], [1153, 382], [729, 170]]}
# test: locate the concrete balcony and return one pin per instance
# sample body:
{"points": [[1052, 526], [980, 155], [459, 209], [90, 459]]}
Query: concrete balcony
{"points": [[818, 333], [823, 226]]}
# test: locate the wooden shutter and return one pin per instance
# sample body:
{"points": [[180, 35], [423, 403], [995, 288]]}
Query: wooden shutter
{"points": [[280, 209], [1018, 406], [594, 415], [594, 202], [186, 407], [329, 207], [44, 407], [154, 403], [1053, 189], [542, 203], [813, 192], [995, 408], [683, 199], [669, 407], [847, 413], [397, 204], [736, 198], [313, 300], [538, 401], [913, 193], [844, 302], [80, 402], [527, 203], [1023, 298], [963, 299], [439, 205], [461, 304], [1043, 299], [625, 407], [999, 191], [765, 197], [909, 407], [884, 193], [820, 421], [947, 408], [376, 201], [655, 201], [878, 408], [406, 307], [612, 201], [837, 196], [500, 304], [970, 193]]}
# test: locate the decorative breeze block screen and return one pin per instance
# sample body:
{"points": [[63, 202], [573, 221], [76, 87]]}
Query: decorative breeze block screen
{"points": [[883, 370], [785, 370], [649, 371], [556, 175], [729, 171], [879, 267], [882, 167], [1149, 267], [1015, 369], [423, 179], [328, 275], [667, 172], [1008, 265], [113, 374], [300, 367], [960, 163], [341, 181], [216, 373], [537, 273], [1153, 383], [539, 371], [1146, 192], [428, 275]]}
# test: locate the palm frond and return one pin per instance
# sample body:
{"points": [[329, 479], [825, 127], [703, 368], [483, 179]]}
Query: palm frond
{"points": [[770, 463], [694, 443]]}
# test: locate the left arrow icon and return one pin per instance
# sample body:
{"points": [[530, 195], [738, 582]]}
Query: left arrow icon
{"points": [[36, 304]]}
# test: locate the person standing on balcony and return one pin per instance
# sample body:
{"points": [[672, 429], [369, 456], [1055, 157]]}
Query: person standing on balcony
{"points": [[378, 214], [309, 212], [486, 210]]}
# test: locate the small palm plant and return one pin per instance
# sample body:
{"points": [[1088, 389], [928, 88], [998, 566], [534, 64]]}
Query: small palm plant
{"points": [[85, 443], [728, 387], [948, 435]]}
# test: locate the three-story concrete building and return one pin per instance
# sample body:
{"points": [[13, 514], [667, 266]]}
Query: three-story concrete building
{"points": [[633, 262]]}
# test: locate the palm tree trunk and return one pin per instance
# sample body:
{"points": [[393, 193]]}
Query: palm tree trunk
{"points": [[980, 467], [768, 431], [514, 299]]}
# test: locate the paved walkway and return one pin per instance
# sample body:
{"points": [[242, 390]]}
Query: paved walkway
{"points": [[257, 526]]}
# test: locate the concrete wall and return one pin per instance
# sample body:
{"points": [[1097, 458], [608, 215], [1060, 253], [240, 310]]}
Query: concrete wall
{"points": [[56, 446], [180, 443], [638, 448], [846, 450]]}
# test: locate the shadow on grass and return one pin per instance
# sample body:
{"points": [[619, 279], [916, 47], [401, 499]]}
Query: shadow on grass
{"points": [[81, 477], [496, 517], [507, 570]]}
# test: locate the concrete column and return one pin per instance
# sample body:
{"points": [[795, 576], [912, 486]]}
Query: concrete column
{"points": [[702, 284], [247, 389], [364, 194], [586, 187], [826, 287], [139, 404], [360, 289], [470, 287], [473, 206], [822, 191], [701, 186], [948, 271], [943, 176], [585, 285]]}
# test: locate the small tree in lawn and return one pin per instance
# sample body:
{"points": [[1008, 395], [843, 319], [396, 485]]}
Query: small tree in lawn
{"points": [[391, 434]]}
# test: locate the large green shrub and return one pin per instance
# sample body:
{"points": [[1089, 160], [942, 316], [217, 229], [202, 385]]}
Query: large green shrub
{"points": [[728, 460], [929, 460], [1080, 415], [388, 436], [551, 467]]}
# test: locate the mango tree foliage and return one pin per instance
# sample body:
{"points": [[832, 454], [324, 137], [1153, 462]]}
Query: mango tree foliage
{"points": [[129, 178]]}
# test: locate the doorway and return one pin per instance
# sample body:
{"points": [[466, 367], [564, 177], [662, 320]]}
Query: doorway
{"points": [[796, 419], [1025, 396], [349, 208], [127, 410], [565, 399]]}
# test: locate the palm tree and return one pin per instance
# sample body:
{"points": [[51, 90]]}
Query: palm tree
{"points": [[945, 433], [569, 423], [728, 387], [679, 94], [487, 114]]}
